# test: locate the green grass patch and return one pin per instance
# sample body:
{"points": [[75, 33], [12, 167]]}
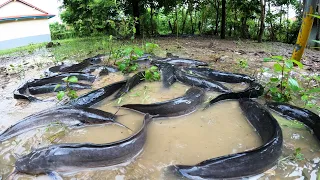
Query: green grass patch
{"points": [[24, 49]]}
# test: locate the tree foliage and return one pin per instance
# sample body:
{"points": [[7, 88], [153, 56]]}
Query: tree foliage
{"points": [[262, 20]]}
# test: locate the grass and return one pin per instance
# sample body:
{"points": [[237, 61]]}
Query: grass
{"points": [[24, 49]]}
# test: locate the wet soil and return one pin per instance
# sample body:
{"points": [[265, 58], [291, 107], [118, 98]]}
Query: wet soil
{"points": [[220, 130]]}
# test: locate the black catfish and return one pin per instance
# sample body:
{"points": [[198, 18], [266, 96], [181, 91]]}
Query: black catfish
{"points": [[68, 116], [131, 83], [246, 163], [58, 78], [201, 82], [63, 157], [175, 107], [22, 92], [49, 88], [180, 62], [290, 112], [220, 75], [97, 95], [253, 91], [167, 74]]}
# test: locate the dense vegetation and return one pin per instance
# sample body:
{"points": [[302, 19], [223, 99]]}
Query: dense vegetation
{"points": [[260, 20]]}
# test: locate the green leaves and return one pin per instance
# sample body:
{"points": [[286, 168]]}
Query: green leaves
{"points": [[293, 84], [152, 74], [60, 95], [70, 79], [299, 64], [277, 67], [150, 47]]}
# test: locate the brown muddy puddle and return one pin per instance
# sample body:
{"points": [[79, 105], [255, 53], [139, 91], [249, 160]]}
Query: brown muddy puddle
{"points": [[222, 129]]}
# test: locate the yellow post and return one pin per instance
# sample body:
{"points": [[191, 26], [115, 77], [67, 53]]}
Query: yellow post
{"points": [[305, 29]]}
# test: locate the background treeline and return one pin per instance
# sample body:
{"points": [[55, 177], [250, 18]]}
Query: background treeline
{"points": [[262, 20]]}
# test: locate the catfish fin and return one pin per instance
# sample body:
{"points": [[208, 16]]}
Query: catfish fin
{"points": [[54, 175]]}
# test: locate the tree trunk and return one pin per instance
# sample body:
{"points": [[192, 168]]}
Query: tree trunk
{"points": [[235, 19], [287, 33], [262, 17], [217, 17], [171, 28], [190, 13], [136, 14], [184, 21], [223, 20]]}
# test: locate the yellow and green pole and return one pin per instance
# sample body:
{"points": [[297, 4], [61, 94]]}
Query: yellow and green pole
{"points": [[305, 29]]}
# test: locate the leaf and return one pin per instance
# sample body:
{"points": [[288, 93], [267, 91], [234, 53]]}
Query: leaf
{"points": [[128, 50], [305, 98], [154, 68], [288, 63], [274, 89], [72, 94], [293, 84], [314, 90], [315, 15], [57, 86], [73, 79], [122, 67], [299, 64], [274, 79], [60, 95], [277, 67], [267, 59], [65, 79], [138, 51], [277, 57]]}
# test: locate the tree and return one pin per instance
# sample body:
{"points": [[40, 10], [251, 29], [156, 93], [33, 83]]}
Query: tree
{"points": [[223, 20], [262, 17]]}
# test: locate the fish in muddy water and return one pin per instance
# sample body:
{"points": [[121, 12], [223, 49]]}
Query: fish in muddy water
{"points": [[79, 156], [131, 83], [22, 92], [176, 107], [180, 62], [167, 74], [49, 88], [290, 112], [74, 67], [253, 91], [201, 82], [69, 116], [220, 75], [246, 163], [58, 78], [97, 95]]}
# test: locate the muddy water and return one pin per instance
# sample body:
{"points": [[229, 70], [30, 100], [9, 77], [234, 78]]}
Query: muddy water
{"points": [[220, 130]]}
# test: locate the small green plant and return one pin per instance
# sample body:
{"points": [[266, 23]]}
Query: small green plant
{"points": [[282, 84], [150, 47], [152, 74], [128, 64], [297, 155], [243, 63], [18, 69], [72, 94]]}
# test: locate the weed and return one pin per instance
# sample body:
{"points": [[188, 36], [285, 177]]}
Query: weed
{"points": [[128, 64], [282, 84], [152, 74], [72, 94], [243, 63], [18, 69], [150, 47], [297, 155]]}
